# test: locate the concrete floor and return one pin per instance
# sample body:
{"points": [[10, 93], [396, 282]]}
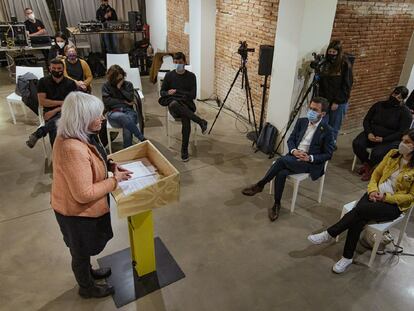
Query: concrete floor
{"points": [[233, 257]]}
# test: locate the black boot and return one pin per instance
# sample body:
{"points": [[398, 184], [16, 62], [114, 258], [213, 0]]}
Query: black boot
{"points": [[96, 291], [100, 273], [184, 155], [273, 212], [31, 142]]}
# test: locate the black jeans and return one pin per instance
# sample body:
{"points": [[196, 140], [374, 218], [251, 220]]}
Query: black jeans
{"points": [[181, 111], [355, 221], [281, 169], [379, 150], [81, 267], [49, 128]]}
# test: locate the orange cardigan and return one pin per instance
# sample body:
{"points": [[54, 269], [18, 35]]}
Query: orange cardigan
{"points": [[80, 183]]}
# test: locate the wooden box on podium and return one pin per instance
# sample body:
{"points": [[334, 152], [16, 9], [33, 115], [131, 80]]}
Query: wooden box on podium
{"points": [[138, 205]]}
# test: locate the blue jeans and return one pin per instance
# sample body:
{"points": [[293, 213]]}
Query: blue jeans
{"points": [[335, 118], [110, 43], [127, 120]]}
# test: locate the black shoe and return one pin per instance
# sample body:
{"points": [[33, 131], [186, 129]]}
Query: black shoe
{"points": [[204, 126], [96, 291], [252, 190], [100, 273], [31, 142], [273, 212], [185, 157]]}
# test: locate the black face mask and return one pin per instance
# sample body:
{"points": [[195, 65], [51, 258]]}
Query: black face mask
{"points": [[331, 58], [393, 101], [57, 74]]}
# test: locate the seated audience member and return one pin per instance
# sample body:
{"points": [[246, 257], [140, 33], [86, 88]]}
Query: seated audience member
{"points": [[58, 50], [77, 70], [178, 91], [119, 99], [310, 145], [390, 192], [81, 188], [51, 91], [34, 26], [384, 125]]}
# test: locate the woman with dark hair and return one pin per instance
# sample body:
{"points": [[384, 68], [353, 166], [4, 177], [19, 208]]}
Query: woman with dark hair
{"points": [[118, 97], [335, 84], [390, 193], [61, 41]]}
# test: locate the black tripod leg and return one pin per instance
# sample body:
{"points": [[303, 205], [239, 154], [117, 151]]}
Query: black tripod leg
{"points": [[225, 98], [250, 101]]}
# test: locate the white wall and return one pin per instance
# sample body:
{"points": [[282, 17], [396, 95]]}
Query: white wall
{"points": [[202, 26], [303, 26], [157, 19], [407, 74]]}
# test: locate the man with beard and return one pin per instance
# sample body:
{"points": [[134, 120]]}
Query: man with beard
{"points": [[384, 125]]}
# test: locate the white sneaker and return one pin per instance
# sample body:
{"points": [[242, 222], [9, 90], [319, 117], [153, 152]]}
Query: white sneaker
{"points": [[342, 265], [320, 238]]}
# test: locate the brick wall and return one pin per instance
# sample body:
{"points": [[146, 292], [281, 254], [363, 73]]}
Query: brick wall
{"points": [[253, 21], [177, 16], [378, 34]]}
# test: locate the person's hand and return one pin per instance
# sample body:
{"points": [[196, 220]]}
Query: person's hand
{"points": [[378, 139], [50, 114], [371, 137], [121, 175], [374, 195], [380, 197], [297, 153], [304, 157], [334, 106], [172, 92], [129, 103], [119, 84], [81, 85]]}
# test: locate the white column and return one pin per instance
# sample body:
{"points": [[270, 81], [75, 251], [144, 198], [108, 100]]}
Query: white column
{"points": [[157, 19], [202, 44], [303, 27], [407, 74]]}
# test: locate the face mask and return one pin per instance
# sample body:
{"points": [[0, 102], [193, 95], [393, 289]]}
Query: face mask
{"points": [[31, 16], [331, 58], [57, 74], [72, 57], [313, 116], [394, 101], [179, 67], [61, 44], [404, 149]]}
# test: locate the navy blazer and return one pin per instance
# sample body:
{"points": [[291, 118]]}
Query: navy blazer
{"points": [[321, 148]]}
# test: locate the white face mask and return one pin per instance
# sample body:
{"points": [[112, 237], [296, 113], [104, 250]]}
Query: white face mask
{"points": [[404, 149], [31, 16], [61, 44]]}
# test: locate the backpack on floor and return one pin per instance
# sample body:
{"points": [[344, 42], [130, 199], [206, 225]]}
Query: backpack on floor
{"points": [[267, 140], [94, 62]]}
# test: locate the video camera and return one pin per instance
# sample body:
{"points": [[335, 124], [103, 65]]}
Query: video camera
{"points": [[319, 60], [243, 49]]}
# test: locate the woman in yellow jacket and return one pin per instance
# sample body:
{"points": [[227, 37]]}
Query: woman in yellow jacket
{"points": [[77, 70], [390, 193]]}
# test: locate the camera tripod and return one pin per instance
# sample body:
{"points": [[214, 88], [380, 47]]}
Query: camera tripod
{"points": [[314, 86], [249, 101]]}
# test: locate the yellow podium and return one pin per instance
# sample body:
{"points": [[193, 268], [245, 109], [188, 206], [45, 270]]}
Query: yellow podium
{"points": [[137, 207]]}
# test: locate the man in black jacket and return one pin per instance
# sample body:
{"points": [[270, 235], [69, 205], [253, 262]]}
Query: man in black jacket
{"points": [[106, 13], [384, 125], [178, 91], [310, 145]]}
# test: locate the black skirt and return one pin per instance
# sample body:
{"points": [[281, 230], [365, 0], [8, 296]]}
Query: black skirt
{"points": [[86, 236]]}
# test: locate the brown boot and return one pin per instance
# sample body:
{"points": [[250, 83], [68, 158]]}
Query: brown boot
{"points": [[363, 169], [367, 174], [273, 212], [252, 190]]}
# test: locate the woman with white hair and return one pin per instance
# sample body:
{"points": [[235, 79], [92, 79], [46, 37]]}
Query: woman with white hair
{"points": [[81, 187]]}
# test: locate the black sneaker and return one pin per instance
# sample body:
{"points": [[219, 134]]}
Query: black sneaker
{"points": [[96, 291], [31, 142], [184, 156], [204, 126]]}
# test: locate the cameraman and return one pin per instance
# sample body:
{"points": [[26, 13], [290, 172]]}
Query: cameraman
{"points": [[335, 85]]}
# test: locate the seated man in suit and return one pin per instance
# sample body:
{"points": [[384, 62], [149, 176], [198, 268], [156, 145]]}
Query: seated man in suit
{"points": [[310, 145]]}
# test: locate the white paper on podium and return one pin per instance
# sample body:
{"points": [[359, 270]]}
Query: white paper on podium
{"points": [[142, 176]]}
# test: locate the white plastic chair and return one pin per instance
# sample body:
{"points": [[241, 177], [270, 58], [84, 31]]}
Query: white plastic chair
{"points": [[167, 63], [380, 228], [118, 59], [296, 179], [42, 123], [369, 150], [134, 77], [170, 120], [161, 76], [13, 98], [109, 130]]}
